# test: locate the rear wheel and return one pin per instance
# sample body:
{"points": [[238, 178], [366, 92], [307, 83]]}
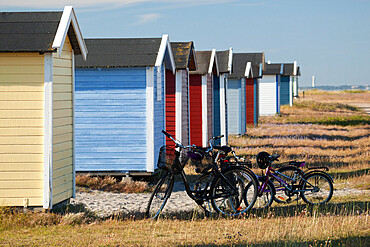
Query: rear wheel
{"points": [[238, 199], [317, 188], [160, 196]]}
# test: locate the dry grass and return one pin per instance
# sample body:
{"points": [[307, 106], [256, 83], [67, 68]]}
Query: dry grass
{"points": [[111, 184], [349, 227]]}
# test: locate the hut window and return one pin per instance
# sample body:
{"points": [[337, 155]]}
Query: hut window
{"points": [[159, 83]]}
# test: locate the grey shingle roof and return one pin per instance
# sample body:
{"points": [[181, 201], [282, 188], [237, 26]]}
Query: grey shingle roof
{"points": [[240, 61], [272, 69], [223, 61], [135, 52], [288, 69], [203, 59], [183, 55], [31, 31]]}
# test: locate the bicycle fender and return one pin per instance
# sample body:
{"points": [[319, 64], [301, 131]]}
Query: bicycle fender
{"points": [[321, 172]]}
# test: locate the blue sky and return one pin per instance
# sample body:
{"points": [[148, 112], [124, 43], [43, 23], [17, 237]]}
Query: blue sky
{"points": [[328, 38]]}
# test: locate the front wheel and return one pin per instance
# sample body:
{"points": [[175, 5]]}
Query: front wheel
{"points": [[317, 188], [160, 196], [237, 197], [266, 197]]}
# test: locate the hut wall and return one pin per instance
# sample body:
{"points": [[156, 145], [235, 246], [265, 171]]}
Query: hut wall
{"points": [[267, 95], [21, 129], [170, 107], [250, 108], [185, 106], [110, 118], [234, 106], [209, 107], [256, 101], [63, 124], [285, 90], [195, 107], [216, 108]]}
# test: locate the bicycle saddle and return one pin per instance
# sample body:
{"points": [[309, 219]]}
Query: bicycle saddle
{"points": [[297, 163], [274, 157], [225, 149]]}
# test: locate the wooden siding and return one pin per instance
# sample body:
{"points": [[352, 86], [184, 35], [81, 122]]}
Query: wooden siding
{"points": [[285, 90], [21, 128], [216, 109], [170, 107], [62, 124], [195, 107], [267, 96], [243, 122], [110, 119], [256, 101], [159, 114], [185, 106], [249, 93], [209, 106], [234, 106]]}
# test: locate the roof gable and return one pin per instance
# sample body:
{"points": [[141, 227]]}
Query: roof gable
{"points": [[273, 69], [184, 55], [224, 59], [40, 31], [206, 62], [247, 65]]}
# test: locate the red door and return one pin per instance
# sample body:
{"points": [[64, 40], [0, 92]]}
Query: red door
{"points": [[195, 98], [170, 106], [249, 94]]}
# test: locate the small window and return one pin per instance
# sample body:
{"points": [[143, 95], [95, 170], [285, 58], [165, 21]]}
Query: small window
{"points": [[159, 83]]}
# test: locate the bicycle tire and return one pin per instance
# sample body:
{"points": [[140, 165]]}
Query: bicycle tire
{"points": [[160, 195], [281, 193], [323, 188], [266, 198], [240, 203]]}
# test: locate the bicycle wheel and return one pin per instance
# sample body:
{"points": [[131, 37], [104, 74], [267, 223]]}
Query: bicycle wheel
{"points": [[266, 198], [160, 196], [317, 188], [281, 195], [236, 200]]}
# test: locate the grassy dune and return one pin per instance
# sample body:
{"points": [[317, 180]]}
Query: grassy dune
{"points": [[322, 128]]}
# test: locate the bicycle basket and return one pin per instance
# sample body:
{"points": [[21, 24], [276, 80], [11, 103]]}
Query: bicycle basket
{"points": [[170, 160]]}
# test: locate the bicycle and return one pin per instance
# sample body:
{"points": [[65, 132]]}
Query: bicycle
{"points": [[225, 188], [314, 187]]}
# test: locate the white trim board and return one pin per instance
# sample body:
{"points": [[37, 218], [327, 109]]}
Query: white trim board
{"points": [[165, 45], [68, 17], [204, 111], [178, 104], [150, 119], [48, 131]]}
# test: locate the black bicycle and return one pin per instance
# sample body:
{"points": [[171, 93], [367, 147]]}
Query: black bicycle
{"points": [[230, 189]]}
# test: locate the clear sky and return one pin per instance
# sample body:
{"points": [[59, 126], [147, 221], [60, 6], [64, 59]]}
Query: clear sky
{"points": [[328, 38]]}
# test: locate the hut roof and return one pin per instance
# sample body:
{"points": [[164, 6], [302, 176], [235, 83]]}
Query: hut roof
{"points": [[206, 61], [183, 53], [273, 69], [128, 52], [224, 60], [40, 31], [240, 61]]}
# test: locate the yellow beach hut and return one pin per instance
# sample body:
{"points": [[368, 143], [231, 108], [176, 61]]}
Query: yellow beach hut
{"points": [[36, 106]]}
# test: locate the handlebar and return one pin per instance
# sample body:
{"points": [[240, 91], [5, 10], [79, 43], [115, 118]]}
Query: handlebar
{"points": [[217, 137]]}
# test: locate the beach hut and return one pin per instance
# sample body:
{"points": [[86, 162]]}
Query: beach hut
{"points": [[242, 92], [120, 105], [36, 106], [201, 97], [269, 89], [224, 61], [290, 73], [177, 92]]}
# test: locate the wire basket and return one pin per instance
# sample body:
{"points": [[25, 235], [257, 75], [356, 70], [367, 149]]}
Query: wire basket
{"points": [[171, 160]]}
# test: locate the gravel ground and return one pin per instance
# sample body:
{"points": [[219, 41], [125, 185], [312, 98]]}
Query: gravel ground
{"points": [[107, 203]]}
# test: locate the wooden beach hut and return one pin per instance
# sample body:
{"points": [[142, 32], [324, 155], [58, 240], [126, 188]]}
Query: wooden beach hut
{"points": [[290, 73], [177, 92], [242, 92], [269, 89], [120, 104], [224, 61], [201, 97], [36, 106]]}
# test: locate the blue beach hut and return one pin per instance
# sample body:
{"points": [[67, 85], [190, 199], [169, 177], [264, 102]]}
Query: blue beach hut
{"points": [[120, 104], [290, 73], [242, 91]]}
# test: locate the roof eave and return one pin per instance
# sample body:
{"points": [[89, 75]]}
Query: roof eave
{"points": [[68, 17]]}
